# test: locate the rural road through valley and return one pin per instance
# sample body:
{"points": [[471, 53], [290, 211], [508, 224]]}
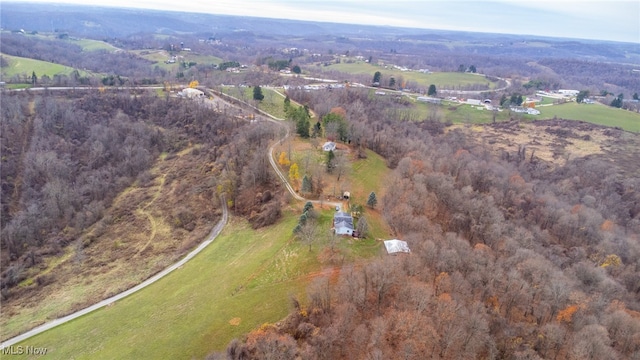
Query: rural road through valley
{"points": [[46, 326], [210, 238]]}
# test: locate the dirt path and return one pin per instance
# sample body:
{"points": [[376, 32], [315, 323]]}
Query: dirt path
{"points": [[42, 328], [268, 117], [26, 142]]}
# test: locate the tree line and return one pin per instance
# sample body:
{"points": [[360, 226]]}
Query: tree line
{"points": [[66, 158]]}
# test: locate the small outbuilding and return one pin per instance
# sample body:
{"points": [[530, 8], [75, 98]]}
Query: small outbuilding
{"points": [[191, 93], [429, 99], [329, 146], [396, 246]]}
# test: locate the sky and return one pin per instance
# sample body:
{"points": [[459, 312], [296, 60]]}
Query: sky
{"points": [[617, 20]]}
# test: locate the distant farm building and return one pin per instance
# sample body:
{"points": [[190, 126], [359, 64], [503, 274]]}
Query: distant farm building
{"points": [[343, 223], [396, 246], [474, 102], [191, 93], [329, 146], [346, 195], [532, 111], [428, 99], [567, 92]]}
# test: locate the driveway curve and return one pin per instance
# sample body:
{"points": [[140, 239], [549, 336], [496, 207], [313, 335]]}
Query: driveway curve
{"points": [[49, 325], [280, 122]]}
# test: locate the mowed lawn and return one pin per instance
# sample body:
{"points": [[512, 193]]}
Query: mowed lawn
{"points": [[273, 102], [26, 66], [242, 280], [442, 80], [94, 45], [593, 113]]}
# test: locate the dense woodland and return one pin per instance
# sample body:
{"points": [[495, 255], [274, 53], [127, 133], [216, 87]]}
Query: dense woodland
{"points": [[511, 258], [65, 158]]}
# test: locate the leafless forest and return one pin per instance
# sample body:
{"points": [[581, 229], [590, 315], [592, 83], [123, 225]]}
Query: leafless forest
{"points": [[512, 258], [66, 157]]}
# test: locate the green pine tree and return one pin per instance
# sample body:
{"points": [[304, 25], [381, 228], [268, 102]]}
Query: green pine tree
{"points": [[372, 201]]}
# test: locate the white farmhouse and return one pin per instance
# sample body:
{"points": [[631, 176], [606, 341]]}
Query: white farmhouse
{"points": [[343, 223]]}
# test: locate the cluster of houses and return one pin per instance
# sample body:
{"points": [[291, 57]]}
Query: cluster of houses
{"points": [[327, 86]]}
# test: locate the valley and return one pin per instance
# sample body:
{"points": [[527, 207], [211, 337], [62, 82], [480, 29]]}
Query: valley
{"points": [[206, 173]]}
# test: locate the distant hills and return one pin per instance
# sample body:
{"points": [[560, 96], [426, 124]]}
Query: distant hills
{"points": [[105, 22]]}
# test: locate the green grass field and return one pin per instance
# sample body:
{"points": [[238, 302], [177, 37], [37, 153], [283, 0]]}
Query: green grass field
{"points": [[242, 280], [245, 274], [593, 113], [160, 56], [442, 80], [26, 66], [273, 102], [93, 45]]}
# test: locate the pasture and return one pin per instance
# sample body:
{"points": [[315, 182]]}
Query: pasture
{"points": [[593, 113], [442, 80], [24, 67]]}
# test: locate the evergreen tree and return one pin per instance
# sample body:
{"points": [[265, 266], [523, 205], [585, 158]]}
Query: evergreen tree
{"points": [[329, 160], [303, 218], [372, 201], [376, 77], [342, 128], [257, 93], [582, 95], [306, 185], [296, 69], [301, 118], [34, 78], [617, 102], [308, 206], [432, 90], [287, 104]]}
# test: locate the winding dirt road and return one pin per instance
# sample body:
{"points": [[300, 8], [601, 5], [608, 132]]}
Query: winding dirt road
{"points": [[46, 326], [210, 238]]}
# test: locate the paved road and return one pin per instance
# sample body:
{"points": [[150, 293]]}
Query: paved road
{"points": [[44, 327]]}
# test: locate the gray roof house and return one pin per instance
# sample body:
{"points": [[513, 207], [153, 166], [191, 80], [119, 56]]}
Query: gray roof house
{"points": [[343, 223]]}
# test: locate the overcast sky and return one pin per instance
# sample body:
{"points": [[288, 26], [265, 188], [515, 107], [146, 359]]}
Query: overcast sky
{"points": [[586, 19]]}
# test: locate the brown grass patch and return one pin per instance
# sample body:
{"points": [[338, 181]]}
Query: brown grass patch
{"points": [[137, 238], [235, 321]]}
